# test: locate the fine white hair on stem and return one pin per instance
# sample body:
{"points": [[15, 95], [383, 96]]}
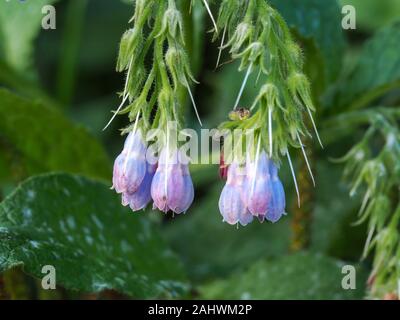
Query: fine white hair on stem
{"points": [[125, 96], [242, 87], [131, 142], [364, 202], [294, 177], [368, 242], [258, 78], [315, 127], [305, 157], [211, 15], [220, 48], [256, 165], [194, 104], [270, 131]]}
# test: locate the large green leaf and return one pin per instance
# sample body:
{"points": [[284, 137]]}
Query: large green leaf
{"points": [[319, 21], [333, 229], [79, 226], [299, 276], [42, 139], [377, 71], [212, 248], [20, 23]]}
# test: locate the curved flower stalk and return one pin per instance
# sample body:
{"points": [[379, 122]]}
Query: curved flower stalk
{"points": [[258, 36], [153, 97], [378, 173]]}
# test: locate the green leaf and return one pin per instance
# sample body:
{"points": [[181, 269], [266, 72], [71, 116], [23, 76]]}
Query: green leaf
{"points": [[43, 140], [79, 226], [298, 276], [212, 248], [20, 23], [333, 229], [319, 21], [377, 71]]}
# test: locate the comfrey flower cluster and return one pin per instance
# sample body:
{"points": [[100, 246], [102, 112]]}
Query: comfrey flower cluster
{"points": [[257, 35], [167, 182], [153, 96], [252, 190], [155, 93]]}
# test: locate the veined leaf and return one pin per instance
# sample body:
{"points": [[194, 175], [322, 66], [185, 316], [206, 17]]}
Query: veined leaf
{"points": [[334, 216], [319, 21], [377, 71], [42, 139], [213, 248], [79, 226], [298, 276]]}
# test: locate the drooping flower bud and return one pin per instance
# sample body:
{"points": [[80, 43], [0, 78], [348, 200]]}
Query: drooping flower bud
{"points": [[252, 55], [276, 207], [258, 186], [172, 187], [232, 202], [172, 24], [142, 197], [130, 165], [242, 35]]}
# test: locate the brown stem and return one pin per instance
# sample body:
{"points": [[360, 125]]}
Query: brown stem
{"points": [[302, 217]]}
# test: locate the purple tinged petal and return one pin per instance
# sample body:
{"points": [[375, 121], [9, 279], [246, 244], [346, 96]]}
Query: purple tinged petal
{"points": [[258, 184], [277, 204], [245, 218], [118, 183], [172, 187], [141, 198], [158, 190], [130, 166], [134, 144], [236, 175], [180, 189], [135, 171], [232, 204]]}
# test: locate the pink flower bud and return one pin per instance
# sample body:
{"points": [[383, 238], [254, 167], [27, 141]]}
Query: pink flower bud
{"points": [[276, 207], [232, 204], [172, 187], [141, 198], [130, 165], [258, 185]]}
